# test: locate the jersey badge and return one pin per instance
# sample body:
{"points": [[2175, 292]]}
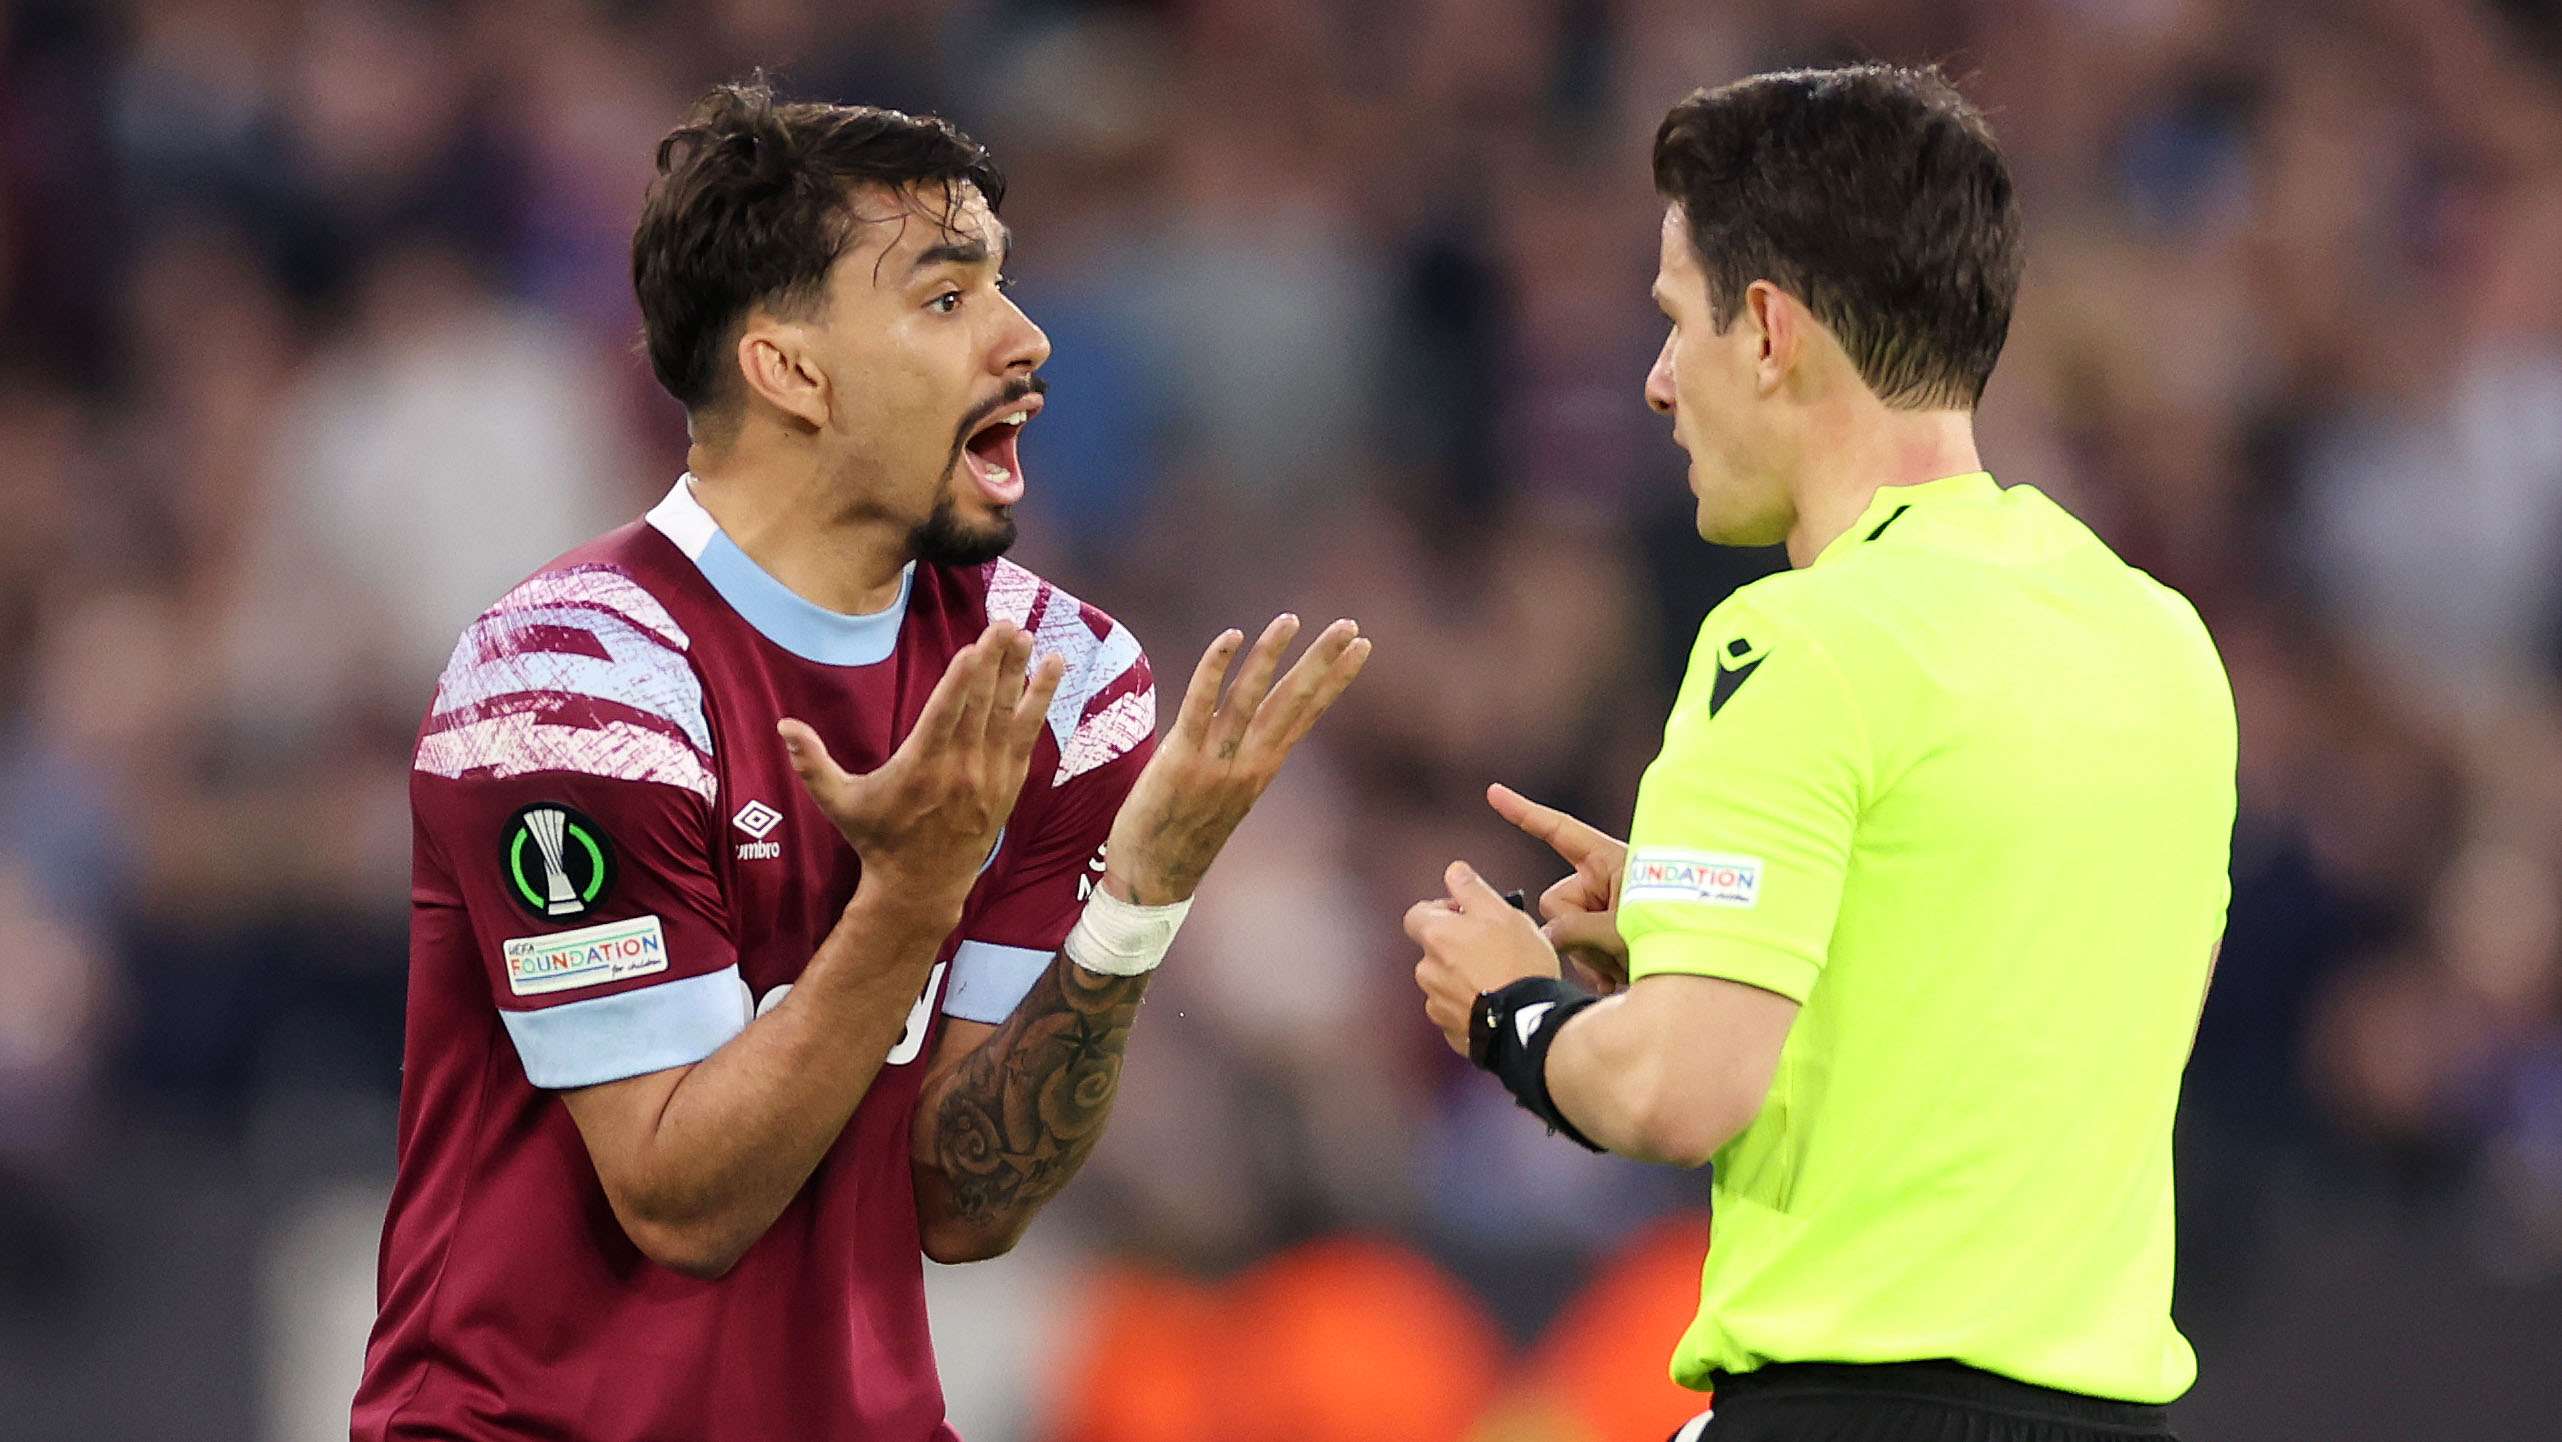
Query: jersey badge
{"points": [[1703, 877], [589, 956], [558, 863]]}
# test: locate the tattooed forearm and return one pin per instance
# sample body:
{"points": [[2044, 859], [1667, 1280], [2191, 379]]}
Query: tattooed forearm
{"points": [[1016, 1119]]}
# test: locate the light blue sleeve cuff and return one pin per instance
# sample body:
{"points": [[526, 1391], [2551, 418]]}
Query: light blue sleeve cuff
{"points": [[988, 981], [675, 1023]]}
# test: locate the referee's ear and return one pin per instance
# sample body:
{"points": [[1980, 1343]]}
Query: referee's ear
{"points": [[1781, 322]]}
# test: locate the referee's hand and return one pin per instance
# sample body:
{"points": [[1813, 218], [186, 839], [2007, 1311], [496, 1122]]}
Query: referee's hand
{"points": [[1581, 911], [1473, 942]]}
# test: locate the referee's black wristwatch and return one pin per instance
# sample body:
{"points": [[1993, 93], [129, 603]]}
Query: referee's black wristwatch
{"points": [[1509, 1033]]}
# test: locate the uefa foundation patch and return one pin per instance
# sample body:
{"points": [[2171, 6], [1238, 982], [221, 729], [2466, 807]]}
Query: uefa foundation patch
{"points": [[557, 863], [1706, 878], [589, 956]]}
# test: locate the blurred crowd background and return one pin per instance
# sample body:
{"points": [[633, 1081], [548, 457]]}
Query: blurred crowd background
{"points": [[316, 333]]}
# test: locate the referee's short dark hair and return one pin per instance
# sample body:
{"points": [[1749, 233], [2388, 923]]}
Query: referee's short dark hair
{"points": [[1875, 195]]}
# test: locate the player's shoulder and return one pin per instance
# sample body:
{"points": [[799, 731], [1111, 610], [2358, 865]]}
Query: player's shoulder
{"points": [[1055, 616], [1106, 701], [582, 667]]}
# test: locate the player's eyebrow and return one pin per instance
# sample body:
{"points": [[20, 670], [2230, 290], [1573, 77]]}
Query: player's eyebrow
{"points": [[970, 250]]}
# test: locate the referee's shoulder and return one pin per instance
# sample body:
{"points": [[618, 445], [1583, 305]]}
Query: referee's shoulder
{"points": [[1831, 606]]}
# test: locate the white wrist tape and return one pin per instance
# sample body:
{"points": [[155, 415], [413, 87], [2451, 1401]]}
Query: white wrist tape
{"points": [[1120, 938]]}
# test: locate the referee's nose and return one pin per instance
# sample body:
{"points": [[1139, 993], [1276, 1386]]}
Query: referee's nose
{"points": [[1659, 391]]}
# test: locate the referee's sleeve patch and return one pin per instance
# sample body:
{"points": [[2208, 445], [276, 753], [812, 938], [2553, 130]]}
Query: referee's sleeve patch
{"points": [[1704, 878]]}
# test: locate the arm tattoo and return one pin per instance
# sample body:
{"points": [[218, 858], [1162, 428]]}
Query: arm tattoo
{"points": [[1015, 1120]]}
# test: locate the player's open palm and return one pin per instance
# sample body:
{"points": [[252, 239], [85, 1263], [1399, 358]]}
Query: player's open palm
{"points": [[925, 818], [1221, 753], [1581, 911]]}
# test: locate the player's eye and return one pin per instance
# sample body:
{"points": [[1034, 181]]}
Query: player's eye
{"points": [[946, 303]]}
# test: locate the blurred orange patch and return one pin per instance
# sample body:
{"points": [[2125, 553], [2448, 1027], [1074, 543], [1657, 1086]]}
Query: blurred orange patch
{"points": [[1364, 1341]]}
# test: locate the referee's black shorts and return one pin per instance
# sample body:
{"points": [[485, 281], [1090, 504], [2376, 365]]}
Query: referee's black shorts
{"points": [[1911, 1402]]}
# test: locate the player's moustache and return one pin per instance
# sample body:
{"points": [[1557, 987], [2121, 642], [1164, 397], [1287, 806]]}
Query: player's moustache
{"points": [[1014, 392]]}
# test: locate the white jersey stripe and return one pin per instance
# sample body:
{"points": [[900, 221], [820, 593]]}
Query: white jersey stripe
{"points": [[639, 672], [518, 743]]}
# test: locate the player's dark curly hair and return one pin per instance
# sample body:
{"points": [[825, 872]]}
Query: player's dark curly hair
{"points": [[1875, 195], [749, 209]]}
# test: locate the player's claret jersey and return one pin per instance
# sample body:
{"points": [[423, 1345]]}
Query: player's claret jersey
{"points": [[615, 872]]}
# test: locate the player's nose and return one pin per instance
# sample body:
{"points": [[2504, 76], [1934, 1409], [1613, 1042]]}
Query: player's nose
{"points": [[1024, 347], [1659, 391]]}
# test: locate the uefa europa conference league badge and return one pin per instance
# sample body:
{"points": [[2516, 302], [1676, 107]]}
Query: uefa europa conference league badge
{"points": [[558, 863]]}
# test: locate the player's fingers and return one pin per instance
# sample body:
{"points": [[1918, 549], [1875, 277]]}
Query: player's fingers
{"points": [[1565, 835], [808, 754], [1013, 666], [1312, 684], [1201, 694], [1299, 683], [1254, 676], [977, 693], [1338, 678], [1032, 708], [943, 709]]}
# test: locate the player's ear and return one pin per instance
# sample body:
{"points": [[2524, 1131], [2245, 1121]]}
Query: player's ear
{"points": [[1777, 324], [779, 365]]}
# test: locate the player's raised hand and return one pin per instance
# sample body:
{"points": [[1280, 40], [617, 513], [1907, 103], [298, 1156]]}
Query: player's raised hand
{"points": [[925, 818], [1221, 753], [1582, 910]]}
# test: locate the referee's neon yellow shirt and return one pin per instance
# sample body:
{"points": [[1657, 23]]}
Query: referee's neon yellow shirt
{"points": [[1963, 788]]}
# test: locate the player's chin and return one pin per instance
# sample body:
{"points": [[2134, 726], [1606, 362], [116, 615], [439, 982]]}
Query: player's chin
{"points": [[965, 533]]}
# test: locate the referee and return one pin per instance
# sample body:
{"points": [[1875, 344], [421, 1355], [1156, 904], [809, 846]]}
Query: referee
{"points": [[1924, 889]]}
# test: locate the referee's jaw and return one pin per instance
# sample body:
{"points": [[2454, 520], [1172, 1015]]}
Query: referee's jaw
{"points": [[1697, 365]]}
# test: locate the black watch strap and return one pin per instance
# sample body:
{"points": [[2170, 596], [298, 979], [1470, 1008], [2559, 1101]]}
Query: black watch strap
{"points": [[1509, 1033]]}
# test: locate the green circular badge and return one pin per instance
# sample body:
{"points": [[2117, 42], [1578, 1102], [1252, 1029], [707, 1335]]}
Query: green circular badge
{"points": [[556, 863]]}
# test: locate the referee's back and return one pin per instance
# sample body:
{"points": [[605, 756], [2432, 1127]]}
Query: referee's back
{"points": [[1986, 776]]}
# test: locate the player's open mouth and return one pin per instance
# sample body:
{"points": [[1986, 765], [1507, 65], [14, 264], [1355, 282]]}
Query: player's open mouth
{"points": [[991, 456]]}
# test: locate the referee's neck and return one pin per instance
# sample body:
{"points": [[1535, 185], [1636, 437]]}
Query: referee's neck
{"points": [[1845, 468]]}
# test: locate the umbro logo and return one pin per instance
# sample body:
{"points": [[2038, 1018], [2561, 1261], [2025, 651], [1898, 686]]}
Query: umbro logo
{"points": [[758, 820]]}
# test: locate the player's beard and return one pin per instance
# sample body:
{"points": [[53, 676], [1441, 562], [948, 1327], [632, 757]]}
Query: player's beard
{"points": [[945, 539]]}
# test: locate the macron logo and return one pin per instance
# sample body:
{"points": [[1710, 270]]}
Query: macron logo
{"points": [[1525, 1022], [758, 820]]}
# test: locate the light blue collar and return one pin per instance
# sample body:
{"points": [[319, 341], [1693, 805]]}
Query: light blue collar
{"points": [[802, 627]]}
